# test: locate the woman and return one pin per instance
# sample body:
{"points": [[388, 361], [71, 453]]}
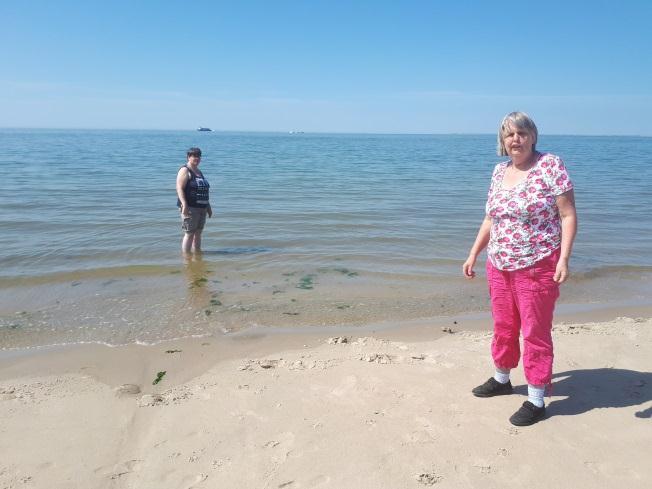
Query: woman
{"points": [[192, 192], [529, 229]]}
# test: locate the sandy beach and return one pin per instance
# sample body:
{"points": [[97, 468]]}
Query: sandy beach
{"points": [[383, 409], [376, 178]]}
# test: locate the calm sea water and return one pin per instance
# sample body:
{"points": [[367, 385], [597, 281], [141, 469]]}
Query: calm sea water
{"points": [[318, 212]]}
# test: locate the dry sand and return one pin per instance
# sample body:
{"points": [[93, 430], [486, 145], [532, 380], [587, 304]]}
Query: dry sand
{"points": [[309, 412]]}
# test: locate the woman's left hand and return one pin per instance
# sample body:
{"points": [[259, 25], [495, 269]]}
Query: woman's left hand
{"points": [[561, 272], [209, 211]]}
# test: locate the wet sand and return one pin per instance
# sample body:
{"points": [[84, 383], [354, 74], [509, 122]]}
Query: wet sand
{"points": [[114, 307]]}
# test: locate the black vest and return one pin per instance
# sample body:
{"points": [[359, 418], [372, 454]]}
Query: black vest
{"points": [[196, 190]]}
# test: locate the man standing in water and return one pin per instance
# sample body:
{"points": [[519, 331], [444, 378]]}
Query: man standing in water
{"points": [[192, 193]]}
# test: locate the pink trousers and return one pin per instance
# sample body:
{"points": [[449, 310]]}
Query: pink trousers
{"points": [[523, 301]]}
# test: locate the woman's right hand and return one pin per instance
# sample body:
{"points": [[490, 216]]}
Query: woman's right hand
{"points": [[467, 268], [185, 211], [480, 244]]}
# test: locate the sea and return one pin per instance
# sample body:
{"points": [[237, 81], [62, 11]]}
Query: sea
{"points": [[309, 230]]}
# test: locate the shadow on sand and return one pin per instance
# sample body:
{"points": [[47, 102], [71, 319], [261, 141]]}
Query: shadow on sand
{"points": [[599, 388]]}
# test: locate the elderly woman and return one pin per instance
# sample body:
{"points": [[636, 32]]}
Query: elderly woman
{"points": [[528, 230], [192, 193]]}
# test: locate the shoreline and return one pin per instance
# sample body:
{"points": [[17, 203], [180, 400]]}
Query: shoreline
{"points": [[274, 286], [209, 350], [204, 302]]}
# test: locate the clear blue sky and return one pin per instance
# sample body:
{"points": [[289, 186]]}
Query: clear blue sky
{"points": [[577, 67]]}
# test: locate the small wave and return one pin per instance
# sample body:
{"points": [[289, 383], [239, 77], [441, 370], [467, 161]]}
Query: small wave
{"points": [[614, 271], [237, 251], [67, 344], [93, 273]]}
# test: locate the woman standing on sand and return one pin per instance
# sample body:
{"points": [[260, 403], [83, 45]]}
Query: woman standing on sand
{"points": [[192, 193], [529, 229]]}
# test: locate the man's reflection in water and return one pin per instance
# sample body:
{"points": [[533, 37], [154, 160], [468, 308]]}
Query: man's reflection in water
{"points": [[199, 294]]}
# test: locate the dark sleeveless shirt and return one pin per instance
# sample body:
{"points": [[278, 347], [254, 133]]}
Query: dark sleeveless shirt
{"points": [[196, 190]]}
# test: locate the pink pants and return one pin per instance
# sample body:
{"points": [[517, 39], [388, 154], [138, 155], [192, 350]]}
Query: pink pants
{"points": [[524, 301]]}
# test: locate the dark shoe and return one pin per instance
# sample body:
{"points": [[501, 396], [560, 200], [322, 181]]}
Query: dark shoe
{"points": [[528, 414], [493, 388]]}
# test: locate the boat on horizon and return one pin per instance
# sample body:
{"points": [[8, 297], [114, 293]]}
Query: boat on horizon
{"points": [[204, 129]]}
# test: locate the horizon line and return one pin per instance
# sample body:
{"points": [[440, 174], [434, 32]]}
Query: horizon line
{"points": [[298, 132]]}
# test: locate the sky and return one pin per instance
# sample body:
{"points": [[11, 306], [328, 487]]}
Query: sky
{"points": [[577, 67]]}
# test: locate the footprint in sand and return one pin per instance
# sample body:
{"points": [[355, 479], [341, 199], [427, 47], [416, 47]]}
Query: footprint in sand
{"points": [[381, 358], [428, 478], [318, 481], [195, 481], [151, 400], [117, 471], [339, 340], [220, 463], [127, 390], [195, 456], [284, 440]]}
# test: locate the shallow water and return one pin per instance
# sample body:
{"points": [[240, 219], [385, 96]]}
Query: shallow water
{"points": [[308, 230]]}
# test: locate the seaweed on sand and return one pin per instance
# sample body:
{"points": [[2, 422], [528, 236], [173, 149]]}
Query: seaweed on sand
{"points": [[159, 377]]}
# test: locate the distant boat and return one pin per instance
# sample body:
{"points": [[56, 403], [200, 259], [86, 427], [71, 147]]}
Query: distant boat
{"points": [[204, 129]]}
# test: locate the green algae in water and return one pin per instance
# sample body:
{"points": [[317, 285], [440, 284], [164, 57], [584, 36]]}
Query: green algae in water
{"points": [[159, 377], [346, 271], [208, 312], [215, 302], [306, 282], [172, 351], [199, 282]]}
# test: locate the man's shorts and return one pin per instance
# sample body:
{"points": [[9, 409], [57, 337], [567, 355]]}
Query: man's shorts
{"points": [[195, 221]]}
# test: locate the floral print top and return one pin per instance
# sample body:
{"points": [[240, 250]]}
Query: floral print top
{"points": [[525, 223]]}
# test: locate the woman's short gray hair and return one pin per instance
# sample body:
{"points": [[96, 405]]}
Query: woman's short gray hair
{"points": [[519, 120]]}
